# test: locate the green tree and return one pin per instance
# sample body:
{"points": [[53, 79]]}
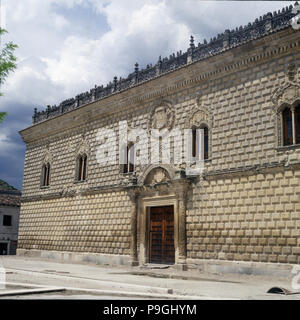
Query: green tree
{"points": [[2, 115], [7, 63]]}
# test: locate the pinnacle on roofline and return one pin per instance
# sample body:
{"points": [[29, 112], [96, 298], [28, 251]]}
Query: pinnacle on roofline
{"points": [[270, 22]]}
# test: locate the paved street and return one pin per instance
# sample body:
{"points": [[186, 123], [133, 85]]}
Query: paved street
{"points": [[46, 279]]}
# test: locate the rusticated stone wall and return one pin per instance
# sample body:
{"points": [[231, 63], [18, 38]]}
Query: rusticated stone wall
{"points": [[253, 217], [98, 223]]}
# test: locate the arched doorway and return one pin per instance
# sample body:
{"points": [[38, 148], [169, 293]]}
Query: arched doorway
{"points": [[160, 218]]}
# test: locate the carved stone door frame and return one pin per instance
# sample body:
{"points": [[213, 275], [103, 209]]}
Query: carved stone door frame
{"points": [[173, 193], [158, 188]]}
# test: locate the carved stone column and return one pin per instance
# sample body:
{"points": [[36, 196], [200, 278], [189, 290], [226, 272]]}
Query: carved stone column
{"points": [[293, 125], [281, 130], [133, 222], [182, 241], [182, 229]]}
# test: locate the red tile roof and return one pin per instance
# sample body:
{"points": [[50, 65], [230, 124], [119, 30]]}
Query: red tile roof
{"points": [[10, 199], [9, 196]]}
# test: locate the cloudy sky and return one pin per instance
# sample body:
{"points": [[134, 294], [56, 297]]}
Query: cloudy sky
{"points": [[68, 46]]}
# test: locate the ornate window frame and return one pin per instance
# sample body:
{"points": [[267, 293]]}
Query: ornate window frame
{"points": [[46, 169], [286, 96], [82, 152], [195, 154], [200, 118], [81, 167]]}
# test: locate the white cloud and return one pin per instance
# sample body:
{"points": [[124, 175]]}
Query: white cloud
{"points": [[154, 25], [138, 34], [30, 85], [74, 67], [139, 31], [59, 21]]}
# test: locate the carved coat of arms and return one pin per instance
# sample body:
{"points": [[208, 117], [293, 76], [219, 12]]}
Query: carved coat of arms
{"points": [[161, 117], [159, 176]]}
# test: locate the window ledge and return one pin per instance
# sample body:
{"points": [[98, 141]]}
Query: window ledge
{"points": [[205, 160], [127, 174], [289, 147], [80, 181]]}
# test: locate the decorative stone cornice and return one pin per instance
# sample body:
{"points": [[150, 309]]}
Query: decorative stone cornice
{"points": [[135, 100], [239, 64], [250, 170], [179, 184], [268, 24], [72, 193]]}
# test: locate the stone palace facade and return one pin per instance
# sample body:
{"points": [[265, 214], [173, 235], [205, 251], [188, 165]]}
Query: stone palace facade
{"points": [[243, 89]]}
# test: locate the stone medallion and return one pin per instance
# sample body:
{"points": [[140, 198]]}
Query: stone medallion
{"points": [[157, 175], [161, 117]]}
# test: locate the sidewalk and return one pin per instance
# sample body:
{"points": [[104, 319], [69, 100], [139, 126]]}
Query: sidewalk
{"points": [[94, 281]]}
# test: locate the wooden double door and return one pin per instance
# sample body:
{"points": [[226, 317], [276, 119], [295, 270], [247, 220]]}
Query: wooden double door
{"points": [[162, 249]]}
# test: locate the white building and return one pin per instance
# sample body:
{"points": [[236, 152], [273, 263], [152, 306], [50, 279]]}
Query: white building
{"points": [[9, 218]]}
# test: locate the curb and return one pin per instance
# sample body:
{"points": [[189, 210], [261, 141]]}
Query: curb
{"points": [[157, 290], [144, 295], [30, 291]]}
